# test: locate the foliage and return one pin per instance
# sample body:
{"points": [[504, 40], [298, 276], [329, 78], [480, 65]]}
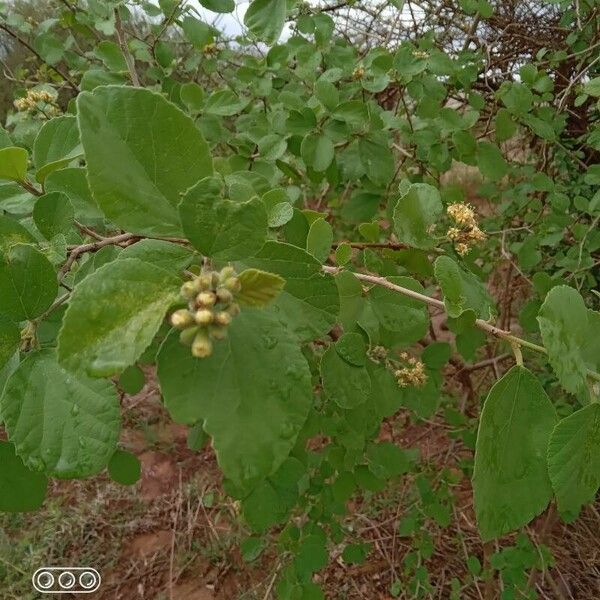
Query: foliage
{"points": [[156, 174]]}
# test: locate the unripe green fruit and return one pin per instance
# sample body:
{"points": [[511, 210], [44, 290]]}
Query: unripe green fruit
{"points": [[224, 295], [204, 316], [190, 288], [233, 284], [206, 299], [202, 346], [233, 309], [217, 333], [181, 319], [223, 318], [226, 273], [186, 337]]}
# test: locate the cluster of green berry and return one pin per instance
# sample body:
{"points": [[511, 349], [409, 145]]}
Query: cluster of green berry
{"points": [[211, 307]]}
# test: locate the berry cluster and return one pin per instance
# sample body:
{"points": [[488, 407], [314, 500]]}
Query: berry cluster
{"points": [[466, 233], [211, 308]]}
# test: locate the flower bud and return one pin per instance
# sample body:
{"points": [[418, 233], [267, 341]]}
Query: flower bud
{"points": [[233, 284], [206, 299], [223, 318], [202, 346], [224, 295], [205, 281], [217, 333], [181, 319], [186, 337], [204, 316], [189, 289], [226, 273]]}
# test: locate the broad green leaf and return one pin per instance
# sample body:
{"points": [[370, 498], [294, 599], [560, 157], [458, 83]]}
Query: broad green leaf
{"points": [[13, 163], [192, 95], [11, 233], [167, 255], [517, 98], [21, 490], [252, 410], [5, 140], [351, 347], [377, 160], [490, 161], [73, 182], [197, 32], [386, 395], [53, 214], [574, 459], [219, 6], [317, 151], [416, 214], [110, 54], [406, 318], [142, 152], [219, 228], [505, 126], [259, 288], [387, 460], [10, 339], [56, 145], [309, 302], [113, 315], [265, 19], [567, 327], [225, 103], [124, 467], [462, 290], [510, 480], [65, 425], [346, 384], [592, 87], [14, 199], [132, 380], [319, 239], [28, 283]]}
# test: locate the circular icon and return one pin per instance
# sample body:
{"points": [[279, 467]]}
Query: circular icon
{"points": [[66, 580], [88, 580], [44, 580]]}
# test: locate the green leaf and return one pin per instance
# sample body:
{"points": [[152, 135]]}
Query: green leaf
{"points": [[196, 31], [351, 347], [252, 410], [219, 6], [592, 87], [343, 253], [132, 380], [28, 283], [462, 290], [167, 255], [387, 460], [510, 479], [113, 315], [65, 425], [53, 214], [219, 228], [225, 103], [259, 288], [73, 182], [574, 459], [317, 151], [346, 384], [505, 126], [56, 145], [408, 319], [517, 98], [11, 233], [416, 215], [13, 163], [10, 339], [21, 490], [142, 152], [319, 239], [192, 95], [309, 302], [490, 161], [377, 160], [567, 327], [124, 467], [265, 19]]}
